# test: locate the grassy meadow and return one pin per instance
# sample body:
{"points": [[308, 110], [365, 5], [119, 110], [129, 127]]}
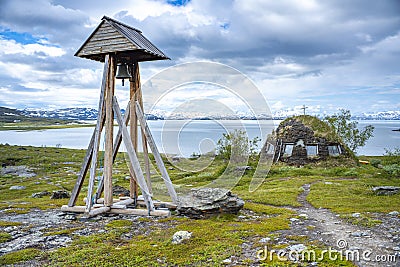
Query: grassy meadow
{"points": [[341, 185]]}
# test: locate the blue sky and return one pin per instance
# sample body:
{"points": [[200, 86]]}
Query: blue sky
{"points": [[324, 54]]}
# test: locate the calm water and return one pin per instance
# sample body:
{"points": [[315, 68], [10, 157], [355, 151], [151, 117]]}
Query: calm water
{"points": [[186, 137]]}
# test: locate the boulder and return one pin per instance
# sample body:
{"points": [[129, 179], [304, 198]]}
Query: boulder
{"points": [[20, 171], [40, 194], [17, 187], [386, 190], [181, 236], [59, 194], [120, 191], [203, 202]]}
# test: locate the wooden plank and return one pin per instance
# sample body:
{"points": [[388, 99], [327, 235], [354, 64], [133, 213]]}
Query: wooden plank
{"points": [[66, 208], [112, 206], [133, 188], [110, 43], [109, 130], [158, 204], [117, 144], [98, 129], [135, 165], [107, 49], [141, 212], [101, 200], [104, 35], [156, 153], [125, 202], [98, 211]]}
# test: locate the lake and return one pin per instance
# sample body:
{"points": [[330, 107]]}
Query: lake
{"points": [[183, 137]]}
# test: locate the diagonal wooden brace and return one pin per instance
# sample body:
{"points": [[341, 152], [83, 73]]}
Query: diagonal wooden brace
{"points": [[156, 153], [134, 163]]}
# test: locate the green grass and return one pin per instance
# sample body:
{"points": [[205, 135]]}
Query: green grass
{"points": [[4, 237], [35, 126], [7, 223], [213, 240], [355, 195], [61, 231], [20, 256]]}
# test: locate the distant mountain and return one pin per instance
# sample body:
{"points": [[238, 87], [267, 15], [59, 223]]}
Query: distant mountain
{"points": [[64, 114], [384, 115], [79, 114], [10, 115], [84, 114]]}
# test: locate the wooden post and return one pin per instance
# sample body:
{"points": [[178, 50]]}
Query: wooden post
{"points": [[117, 143], [133, 188], [144, 144], [156, 153], [109, 126], [96, 142]]}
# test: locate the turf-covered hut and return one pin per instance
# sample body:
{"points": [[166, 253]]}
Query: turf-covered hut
{"points": [[303, 139]]}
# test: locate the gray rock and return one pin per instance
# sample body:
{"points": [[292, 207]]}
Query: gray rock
{"points": [[296, 247], [359, 234], [59, 194], [394, 213], [40, 194], [356, 215], [20, 171], [203, 202], [243, 168], [181, 236], [176, 158], [386, 190], [227, 261], [120, 191], [70, 217], [303, 216], [265, 240], [17, 187]]}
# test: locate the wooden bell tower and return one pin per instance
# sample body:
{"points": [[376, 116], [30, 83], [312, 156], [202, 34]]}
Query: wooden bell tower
{"points": [[115, 43]]}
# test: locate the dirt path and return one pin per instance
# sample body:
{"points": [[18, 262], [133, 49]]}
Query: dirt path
{"points": [[375, 246]]}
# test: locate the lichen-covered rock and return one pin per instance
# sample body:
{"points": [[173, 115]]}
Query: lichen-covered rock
{"points": [[386, 190], [20, 171], [181, 236], [204, 202]]}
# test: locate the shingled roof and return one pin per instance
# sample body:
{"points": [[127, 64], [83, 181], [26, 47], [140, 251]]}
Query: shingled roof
{"points": [[128, 43]]}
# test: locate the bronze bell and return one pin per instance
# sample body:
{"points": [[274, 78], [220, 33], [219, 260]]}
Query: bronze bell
{"points": [[122, 72]]}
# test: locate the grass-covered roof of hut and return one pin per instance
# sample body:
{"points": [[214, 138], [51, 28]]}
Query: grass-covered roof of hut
{"points": [[319, 127]]}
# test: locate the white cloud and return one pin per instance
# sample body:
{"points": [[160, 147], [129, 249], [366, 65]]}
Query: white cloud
{"points": [[297, 52], [12, 47]]}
